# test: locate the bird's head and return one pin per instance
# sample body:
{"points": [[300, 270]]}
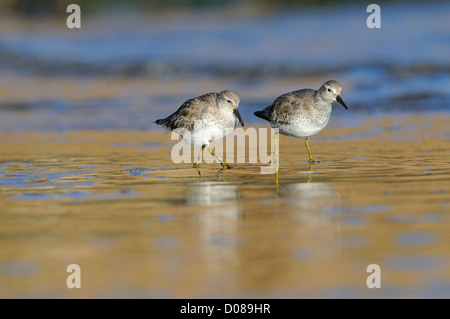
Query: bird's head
{"points": [[330, 92]]}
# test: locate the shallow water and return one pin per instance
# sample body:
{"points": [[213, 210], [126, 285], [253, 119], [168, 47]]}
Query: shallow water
{"points": [[86, 178], [141, 226], [130, 68]]}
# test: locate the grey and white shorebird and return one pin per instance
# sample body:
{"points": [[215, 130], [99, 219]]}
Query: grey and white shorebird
{"points": [[303, 113], [205, 119]]}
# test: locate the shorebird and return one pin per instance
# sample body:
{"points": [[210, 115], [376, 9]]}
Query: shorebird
{"points": [[303, 113], [205, 119]]}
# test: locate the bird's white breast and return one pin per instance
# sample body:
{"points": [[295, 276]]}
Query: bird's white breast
{"points": [[212, 128], [303, 126]]}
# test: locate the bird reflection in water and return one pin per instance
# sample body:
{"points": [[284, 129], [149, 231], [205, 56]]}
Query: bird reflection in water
{"points": [[309, 203], [218, 218]]}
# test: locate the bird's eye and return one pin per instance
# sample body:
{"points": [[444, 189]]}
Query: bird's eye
{"points": [[329, 90], [228, 101]]}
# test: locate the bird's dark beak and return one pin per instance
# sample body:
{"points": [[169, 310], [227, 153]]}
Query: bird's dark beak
{"points": [[339, 99], [236, 112]]}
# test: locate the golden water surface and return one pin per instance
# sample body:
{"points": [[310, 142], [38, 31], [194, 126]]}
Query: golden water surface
{"points": [[139, 225]]}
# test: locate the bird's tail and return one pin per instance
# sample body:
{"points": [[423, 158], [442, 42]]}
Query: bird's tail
{"points": [[164, 124], [160, 121], [263, 115]]}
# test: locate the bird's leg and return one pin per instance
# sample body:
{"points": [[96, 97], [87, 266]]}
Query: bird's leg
{"points": [[275, 146], [276, 179], [309, 173], [311, 160], [276, 156], [222, 162], [196, 164]]}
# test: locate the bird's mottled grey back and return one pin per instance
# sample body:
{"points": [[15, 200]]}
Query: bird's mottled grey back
{"points": [[207, 106], [284, 105], [188, 112], [307, 102]]}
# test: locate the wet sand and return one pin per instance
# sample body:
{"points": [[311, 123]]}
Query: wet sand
{"points": [[86, 177], [139, 225]]}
